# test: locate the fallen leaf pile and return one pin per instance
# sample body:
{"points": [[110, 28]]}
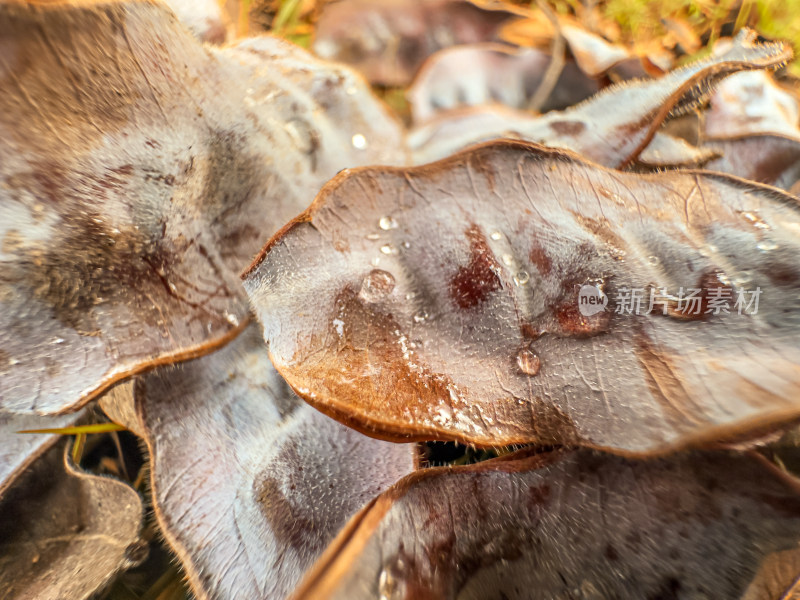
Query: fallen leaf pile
{"points": [[267, 304]]}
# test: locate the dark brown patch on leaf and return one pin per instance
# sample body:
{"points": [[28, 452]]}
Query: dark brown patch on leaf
{"points": [[473, 283]]}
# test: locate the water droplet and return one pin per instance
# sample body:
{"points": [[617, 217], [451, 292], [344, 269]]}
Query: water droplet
{"points": [[388, 249], [232, 319], [528, 362], [522, 278], [300, 134], [385, 585], [57, 340], [743, 278], [359, 141], [766, 245], [755, 220], [653, 260], [421, 317], [338, 324], [406, 245], [378, 284], [387, 223], [373, 236], [496, 235], [410, 296], [508, 260]]}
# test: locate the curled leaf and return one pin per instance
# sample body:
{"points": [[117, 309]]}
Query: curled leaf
{"points": [[573, 525], [614, 126], [64, 533], [250, 484], [139, 171], [516, 294]]}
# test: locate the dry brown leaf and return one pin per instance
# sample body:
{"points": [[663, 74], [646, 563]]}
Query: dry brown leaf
{"points": [[388, 40], [250, 484], [486, 73], [463, 300], [573, 525], [665, 150], [751, 103], [19, 450], [140, 170], [64, 532], [594, 55], [766, 158], [614, 126]]}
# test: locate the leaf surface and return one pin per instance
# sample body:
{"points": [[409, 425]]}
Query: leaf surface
{"points": [[573, 525], [614, 126], [491, 298], [139, 171], [64, 532], [250, 484]]}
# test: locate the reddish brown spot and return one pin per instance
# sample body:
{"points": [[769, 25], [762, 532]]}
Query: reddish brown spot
{"points": [[573, 323], [782, 274], [530, 331], [473, 283], [572, 128], [538, 496], [611, 553], [539, 259], [695, 310]]}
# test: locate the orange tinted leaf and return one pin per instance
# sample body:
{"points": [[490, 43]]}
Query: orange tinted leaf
{"points": [[573, 525], [250, 484], [489, 298]]}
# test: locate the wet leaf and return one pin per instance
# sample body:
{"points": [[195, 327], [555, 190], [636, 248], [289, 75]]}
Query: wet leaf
{"points": [[388, 40], [573, 525], [64, 533], [614, 126], [516, 294], [491, 73], [250, 484], [140, 170]]}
